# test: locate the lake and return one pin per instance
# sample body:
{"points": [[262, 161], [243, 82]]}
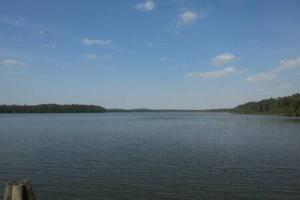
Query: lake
{"points": [[152, 155]]}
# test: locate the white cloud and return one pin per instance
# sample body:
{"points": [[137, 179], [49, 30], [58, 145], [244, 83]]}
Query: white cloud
{"points": [[91, 56], [287, 65], [52, 46], [214, 74], [286, 86], [223, 59], [284, 65], [261, 77], [146, 6], [187, 17], [12, 62], [89, 42], [94, 56]]}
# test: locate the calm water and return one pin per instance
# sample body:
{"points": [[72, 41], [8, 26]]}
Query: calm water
{"points": [[186, 156]]}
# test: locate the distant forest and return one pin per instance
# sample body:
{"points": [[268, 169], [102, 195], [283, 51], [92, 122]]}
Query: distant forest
{"points": [[51, 108], [167, 110], [288, 106]]}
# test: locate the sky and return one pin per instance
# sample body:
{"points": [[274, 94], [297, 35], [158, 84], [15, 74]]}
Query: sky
{"points": [[171, 54]]}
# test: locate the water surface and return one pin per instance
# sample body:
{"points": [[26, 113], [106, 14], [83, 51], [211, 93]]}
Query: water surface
{"points": [[146, 156]]}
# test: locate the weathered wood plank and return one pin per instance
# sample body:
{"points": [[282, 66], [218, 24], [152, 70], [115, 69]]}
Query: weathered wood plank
{"points": [[21, 190], [7, 191]]}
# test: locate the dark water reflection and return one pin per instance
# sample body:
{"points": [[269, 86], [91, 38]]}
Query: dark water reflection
{"points": [[116, 156]]}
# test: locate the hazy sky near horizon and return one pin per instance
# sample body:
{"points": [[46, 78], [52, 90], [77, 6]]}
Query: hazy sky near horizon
{"points": [[185, 54]]}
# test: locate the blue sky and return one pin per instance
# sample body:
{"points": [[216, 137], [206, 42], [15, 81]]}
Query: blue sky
{"points": [[148, 53]]}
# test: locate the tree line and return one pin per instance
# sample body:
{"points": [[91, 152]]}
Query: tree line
{"points": [[288, 106], [51, 108]]}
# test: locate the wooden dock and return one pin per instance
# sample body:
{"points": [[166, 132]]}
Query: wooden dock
{"points": [[18, 190]]}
